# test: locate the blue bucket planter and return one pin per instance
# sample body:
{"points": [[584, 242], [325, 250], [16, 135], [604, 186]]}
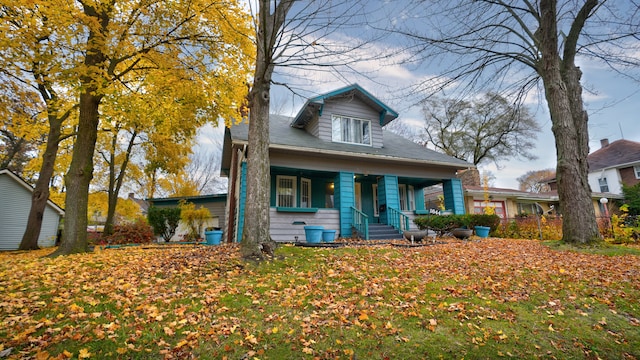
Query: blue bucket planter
{"points": [[482, 231], [313, 234], [213, 237], [328, 235]]}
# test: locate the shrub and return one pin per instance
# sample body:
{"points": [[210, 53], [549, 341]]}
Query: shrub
{"points": [[528, 228], [193, 218], [489, 220], [164, 221], [138, 232], [441, 224]]}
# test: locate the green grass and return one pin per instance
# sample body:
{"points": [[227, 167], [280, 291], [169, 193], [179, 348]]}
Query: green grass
{"points": [[472, 300]]}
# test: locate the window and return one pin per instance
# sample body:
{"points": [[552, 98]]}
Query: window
{"points": [[286, 191], [305, 193], [498, 207], [402, 194], [375, 200], [604, 187], [350, 130], [412, 198], [636, 170]]}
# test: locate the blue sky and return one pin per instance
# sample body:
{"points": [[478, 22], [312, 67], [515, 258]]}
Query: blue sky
{"points": [[612, 100]]}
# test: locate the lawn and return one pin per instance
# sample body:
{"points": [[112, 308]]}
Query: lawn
{"points": [[474, 300]]}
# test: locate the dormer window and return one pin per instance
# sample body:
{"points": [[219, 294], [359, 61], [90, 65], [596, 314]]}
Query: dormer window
{"points": [[351, 130]]}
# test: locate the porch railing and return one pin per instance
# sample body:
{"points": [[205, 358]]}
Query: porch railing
{"points": [[360, 222], [398, 219]]}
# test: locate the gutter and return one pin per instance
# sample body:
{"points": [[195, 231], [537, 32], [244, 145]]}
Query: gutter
{"points": [[359, 155]]}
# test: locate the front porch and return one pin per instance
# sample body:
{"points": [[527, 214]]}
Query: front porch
{"points": [[346, 202]]}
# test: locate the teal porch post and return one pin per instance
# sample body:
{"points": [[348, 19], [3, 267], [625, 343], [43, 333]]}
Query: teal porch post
{"points": [[453, 195], [388, 195], [419, 199], [242, 199], [344, 190]]}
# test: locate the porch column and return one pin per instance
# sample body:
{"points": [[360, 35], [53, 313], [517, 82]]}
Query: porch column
{"points": [[242, 199], [453, 195], [388, 195], [419, 198], [344, 190]]}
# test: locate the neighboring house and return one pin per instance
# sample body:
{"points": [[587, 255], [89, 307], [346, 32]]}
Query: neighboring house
{"points": [[508, 203], [333, 165], [143, 204], [215, 203], [614, 164], [15, 204]]}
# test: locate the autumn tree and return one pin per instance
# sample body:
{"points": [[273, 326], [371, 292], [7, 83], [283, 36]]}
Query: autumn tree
{"points": [[99, 44], [536, 180], [22, 125], [293, 35], [515, 46], [36, 65], [488, 129]]}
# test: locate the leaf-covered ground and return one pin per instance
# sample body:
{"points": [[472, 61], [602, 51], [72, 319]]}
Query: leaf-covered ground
{"points": [[485, 299]]}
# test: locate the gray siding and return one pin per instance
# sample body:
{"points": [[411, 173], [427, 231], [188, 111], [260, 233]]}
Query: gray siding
{"points": [[15, 203], [283, 230], [347, 107]]}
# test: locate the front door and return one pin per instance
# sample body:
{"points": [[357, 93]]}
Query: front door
{"points": [[358, 195]]}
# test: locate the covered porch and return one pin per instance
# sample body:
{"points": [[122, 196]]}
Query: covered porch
{"points": [[350, 203]]}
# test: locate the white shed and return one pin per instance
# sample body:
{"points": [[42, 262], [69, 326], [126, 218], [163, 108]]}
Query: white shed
{"points": [[15, 203]]}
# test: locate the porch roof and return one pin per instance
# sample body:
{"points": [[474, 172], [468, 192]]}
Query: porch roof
{"points": [[282, 135]]}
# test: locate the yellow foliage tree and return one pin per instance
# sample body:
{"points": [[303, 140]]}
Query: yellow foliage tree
{"points": [[94, 51]]}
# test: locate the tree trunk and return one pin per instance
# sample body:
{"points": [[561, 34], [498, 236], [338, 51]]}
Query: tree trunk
{"points": [[80, 171], [563, 92], [115, 181], [40, 194], [256, 240]]}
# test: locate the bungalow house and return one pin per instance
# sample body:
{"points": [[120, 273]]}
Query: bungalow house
{"points": [[14, 212], [614, 164], [335, 166]]}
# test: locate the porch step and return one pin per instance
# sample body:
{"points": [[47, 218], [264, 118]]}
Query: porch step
{"points": [[383, 232]]}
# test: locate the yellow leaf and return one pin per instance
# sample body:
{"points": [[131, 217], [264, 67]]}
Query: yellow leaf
{"points": [[168, 331], [122, 351], [84, 354], [363, 316], [67, 354]]}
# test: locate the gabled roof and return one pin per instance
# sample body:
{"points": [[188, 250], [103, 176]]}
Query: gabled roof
{"points": [[316, 104], [283, 136], [619, 152], [30, 188]]}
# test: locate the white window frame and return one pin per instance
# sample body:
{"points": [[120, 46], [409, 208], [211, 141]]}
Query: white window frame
{"points": [[351, 130], [636, 170], [375, 200], [603, 185], [279, 190], [402, 195], [411, 197], [305, 193]]}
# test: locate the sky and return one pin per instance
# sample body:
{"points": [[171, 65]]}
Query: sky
{"points": [[611, 100]]}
